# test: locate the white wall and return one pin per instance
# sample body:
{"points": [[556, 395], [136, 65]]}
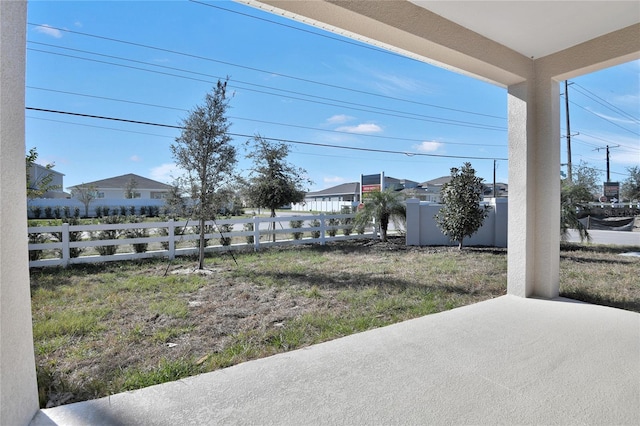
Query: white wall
{"points": [[422, 229], [18, 389], [321, 206]]}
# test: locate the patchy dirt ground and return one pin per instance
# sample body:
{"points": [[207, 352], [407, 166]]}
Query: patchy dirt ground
{"points": [[107, 328]]}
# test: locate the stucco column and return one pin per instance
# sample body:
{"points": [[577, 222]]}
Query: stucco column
{"points": [[534, 188], [18, 389]]}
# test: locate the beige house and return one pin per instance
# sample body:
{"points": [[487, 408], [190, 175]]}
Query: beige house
{"points": [[514, 45]]}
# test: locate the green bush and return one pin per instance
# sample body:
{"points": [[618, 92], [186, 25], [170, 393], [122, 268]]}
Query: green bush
{"points": [[110, 234], [347, 222], [332, 222], [37, 212], [248, 227], [227, 227], [36, 238], [138, 233], [315, 223], [48, 212], [296, 224]]}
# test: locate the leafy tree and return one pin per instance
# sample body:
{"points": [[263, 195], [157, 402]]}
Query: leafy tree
{"points": [[175, 205], [86, 194], [631, 186], [572, 199], [204, 152], [574, 196], [130, 188], [588, 179], [381, 206], [461, 214], [42, 184], [273, 182]]}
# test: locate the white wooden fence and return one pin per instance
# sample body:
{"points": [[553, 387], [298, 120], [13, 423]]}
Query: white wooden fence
{"points": [[176, 234]]}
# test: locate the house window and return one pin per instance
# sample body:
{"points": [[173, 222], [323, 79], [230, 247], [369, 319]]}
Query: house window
{"points": [[158, 195], [100, 194]]}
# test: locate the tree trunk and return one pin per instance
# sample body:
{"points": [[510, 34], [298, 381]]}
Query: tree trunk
{"points": [[201, 250], [460, 244], [273, 224]]}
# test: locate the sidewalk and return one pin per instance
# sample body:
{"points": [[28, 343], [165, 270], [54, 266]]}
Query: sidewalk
{"points": [[504, 361]]}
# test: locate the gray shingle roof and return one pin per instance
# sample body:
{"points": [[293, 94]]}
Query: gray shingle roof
{"points": [[118, 182], [345, 188]]}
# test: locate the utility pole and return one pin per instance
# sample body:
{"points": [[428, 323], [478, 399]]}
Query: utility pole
{"points": [[566, 103], [608, 169]]}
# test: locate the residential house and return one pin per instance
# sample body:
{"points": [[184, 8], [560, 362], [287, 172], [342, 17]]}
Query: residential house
{"points": [[38, 173], [128, 186], [331, 199]]}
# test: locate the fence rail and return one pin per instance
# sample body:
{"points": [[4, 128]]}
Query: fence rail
{"points": [[63, 245]]}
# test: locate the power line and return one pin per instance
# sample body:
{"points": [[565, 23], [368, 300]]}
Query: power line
{"points": [[264, 121], [341, 40], [604, 102], [271, 73], [383, 111], [384, 151], [605, 119]]}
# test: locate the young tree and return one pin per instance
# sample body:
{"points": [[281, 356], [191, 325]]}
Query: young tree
{"points": [[570, 203], [174, 203], [204, 152], [273, 182], [631, 186], [86, 194], [381, 206], [130, 188], [37, 187], [461, 214], [574, 196], [588, 180]]}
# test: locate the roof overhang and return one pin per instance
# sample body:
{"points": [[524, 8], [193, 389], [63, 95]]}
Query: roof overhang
{"points": [[496, 41]]}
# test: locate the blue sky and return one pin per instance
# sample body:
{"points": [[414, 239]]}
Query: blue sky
{"points": [[153, 61]]}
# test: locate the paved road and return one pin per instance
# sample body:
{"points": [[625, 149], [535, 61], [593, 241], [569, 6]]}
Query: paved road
{"points": [[609, 237]]}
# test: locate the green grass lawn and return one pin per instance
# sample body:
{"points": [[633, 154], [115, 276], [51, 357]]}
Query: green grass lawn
{"points": [[108, 328]]}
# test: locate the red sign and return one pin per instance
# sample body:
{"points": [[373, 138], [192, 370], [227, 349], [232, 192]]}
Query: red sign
{"points": [[371, 188]]}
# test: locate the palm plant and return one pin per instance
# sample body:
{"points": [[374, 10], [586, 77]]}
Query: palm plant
{"points": [[381, 207]]}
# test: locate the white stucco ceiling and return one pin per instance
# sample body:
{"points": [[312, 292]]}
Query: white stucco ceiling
{"points": [[538, 28]]}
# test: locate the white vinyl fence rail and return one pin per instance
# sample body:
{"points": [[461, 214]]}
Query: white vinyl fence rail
{"points": [[53, 245]]}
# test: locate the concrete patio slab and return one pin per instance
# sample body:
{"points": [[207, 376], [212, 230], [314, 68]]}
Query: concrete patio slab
{"points": [[508, 360]]}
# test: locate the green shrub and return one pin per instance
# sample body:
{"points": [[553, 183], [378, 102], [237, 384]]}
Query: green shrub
{"points": [[109, 234], [248, 227], [332, 222], [76, 212], [36, 238], [37, 212], [227, 227], [67, 211], [132, 210], [315, 223], [48, 212], [296, 224], [347, 222], [138, 233]]}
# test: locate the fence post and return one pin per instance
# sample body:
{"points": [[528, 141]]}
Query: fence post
{"points": [[66, 254], [323, 228], [172, 239], [256, 233]]}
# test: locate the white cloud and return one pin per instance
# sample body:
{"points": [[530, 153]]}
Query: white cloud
{"points": [[135, 158], [333, 179], [165, 172], [615, 119], [364, 128], [428, 146], [339, 119], [47, 30], [78, 24]]}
